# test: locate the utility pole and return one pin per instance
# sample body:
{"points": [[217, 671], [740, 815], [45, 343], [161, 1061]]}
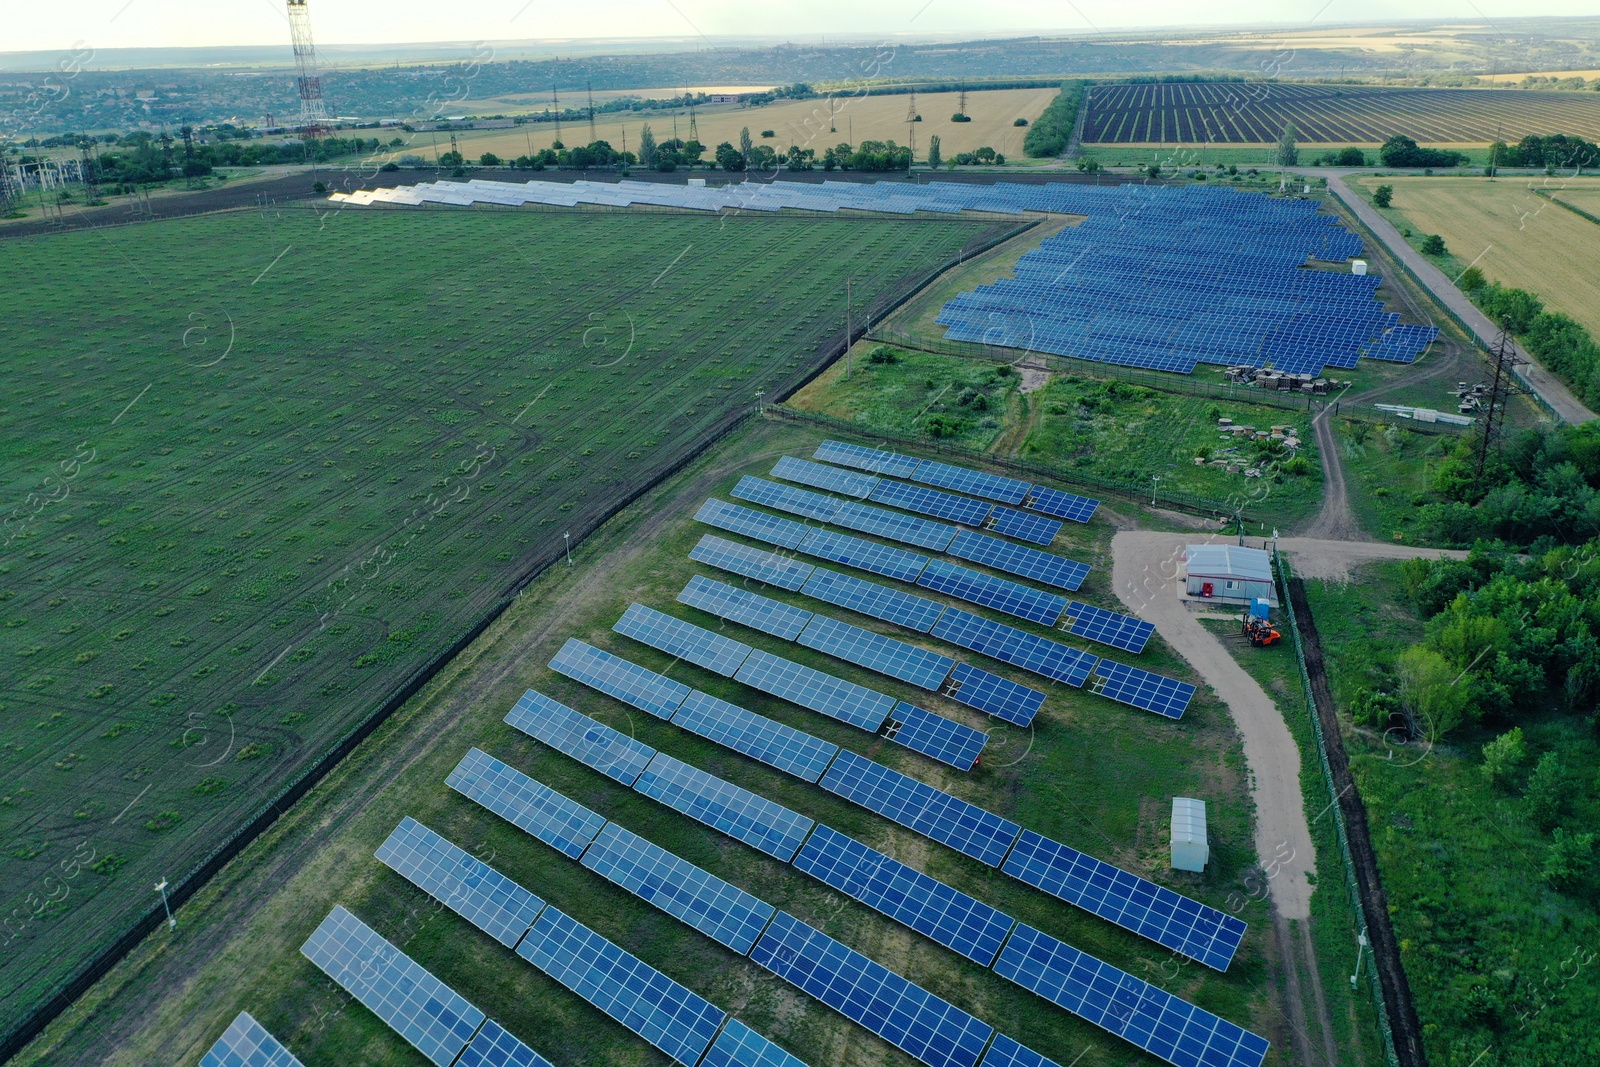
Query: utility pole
{"points": [[161, 887], [566, 541], [555, 104]]}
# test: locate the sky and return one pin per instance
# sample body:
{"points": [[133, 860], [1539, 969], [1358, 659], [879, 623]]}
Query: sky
{"points": [[66, 25]]}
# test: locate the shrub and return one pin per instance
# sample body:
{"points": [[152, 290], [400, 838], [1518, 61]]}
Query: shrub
{"points": [[1471, 280], [1503, 756], [1383, 195], [1020, 122], [769, 133], [1568, 859], [959, 117], [1546, 791], [1433, 245], [883, 354]]}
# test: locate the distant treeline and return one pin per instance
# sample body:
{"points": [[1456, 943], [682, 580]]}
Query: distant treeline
{"points": [[1558, 150], [142, 158]]}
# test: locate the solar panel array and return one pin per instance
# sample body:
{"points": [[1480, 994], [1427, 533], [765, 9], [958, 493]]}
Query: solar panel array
{"points": [[531, 806], [1006, 1052], [867, 459], [822, 476], [683, 640], [887, 656], [1141, 689], [974, 483], [742, 606], [1021, 525], [435, 1019], [760, 738], [740, 1046], [864, 555], [767, 567], [1202, 933], [893, 526], [994, 695], [739, 813], [758, 524], [591, 743], [998, 593], [869, 598], [1025, 562], [496, 1047], [931, 812], [786, 498], [1042, 656], [246, 1043], [1061, 505], [615, 676], [819, 692], [1107, 627], [480, 894], [933, 735], [925, 501]]}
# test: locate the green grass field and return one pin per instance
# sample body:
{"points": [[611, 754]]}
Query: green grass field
{"points": [[264, 467], [1092, 773]]}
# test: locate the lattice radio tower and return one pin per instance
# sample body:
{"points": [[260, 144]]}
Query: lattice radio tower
{"points": [[313, 115], [1501, 389]]}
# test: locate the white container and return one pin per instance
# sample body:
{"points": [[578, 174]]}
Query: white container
{"points": [[1358, 266], [1189, 849]]}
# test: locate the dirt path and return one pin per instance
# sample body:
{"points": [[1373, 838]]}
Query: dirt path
{"points": [[1335, 521]]}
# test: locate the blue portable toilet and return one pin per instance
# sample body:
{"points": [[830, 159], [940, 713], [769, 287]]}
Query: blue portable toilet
{"points": [[1260, 609]]}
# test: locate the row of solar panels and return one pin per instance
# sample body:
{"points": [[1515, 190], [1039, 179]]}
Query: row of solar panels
{"points": [[924, 1025]]}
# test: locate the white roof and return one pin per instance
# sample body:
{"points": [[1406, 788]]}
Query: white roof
{"points": [[1229, 561], [1188, 820]]}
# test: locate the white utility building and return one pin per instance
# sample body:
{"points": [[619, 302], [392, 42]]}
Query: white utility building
{"points": [[1189, 849], [1230, 573]]}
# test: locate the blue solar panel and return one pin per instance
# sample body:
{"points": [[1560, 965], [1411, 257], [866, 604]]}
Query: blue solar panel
{"points": [[943, 739], [740, 1046], [756, 736], [1061, 505], [435, 1019], [892, 525], [975, 483], [526, 804], [933, 813], [496, 1047], [919, 666], [869, 598], [1128, 1007], [1196, 930], [246, 1043], [925, 501], [786, 498], [1006, 1052], [476, 891], [684, 640], [723, 912], [757, 563], [998, 593], [928, 906], [742, 606], [819, 692], [664, 1013], [615, 676], [1141, 689], [1106, 627], [994, 695], [867, 459], [1042, 656], [1025, 562], [1021, 525], [822, 476], [758, 524], [739, 813], [864, 555], [903, 1014], [591, 743]]}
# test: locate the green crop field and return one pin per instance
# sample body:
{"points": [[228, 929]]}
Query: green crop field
{"points": [[261, 469]]}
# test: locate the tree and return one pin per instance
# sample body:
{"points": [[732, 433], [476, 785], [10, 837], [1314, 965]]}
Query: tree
{"points": [[1020, 122], [1154, 170], [1569, 859], [1350, 157], [1383, 195], [489, 159], [769, 133], [1288, 152], [1433, 245], [1546, 791], [934, 158], [450, 159], [1471, 280], [1089, 165], [1402, 151], [729, 157], [1503, 756], [1430, 691], [744, 145], [647, 146]]}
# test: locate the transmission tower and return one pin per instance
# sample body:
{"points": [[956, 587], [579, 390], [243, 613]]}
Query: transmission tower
{"points": [[589, 87], [555, 102], [963, 100], [911, 126], [694, 127], [1501, 389], [313, 115]]}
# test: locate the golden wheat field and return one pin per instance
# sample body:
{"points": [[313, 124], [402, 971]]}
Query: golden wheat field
{"points": [[1513, 235]]}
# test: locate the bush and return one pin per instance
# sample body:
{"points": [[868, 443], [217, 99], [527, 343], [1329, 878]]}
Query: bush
{"points": [[488, 159], [1020, 122], [769, 133], [959, 117], [1569, 859], [1383, 195], [1503, 756], [1433, 245], [1471, 280], [1402, 151], [883, 354], [1546, 791]]}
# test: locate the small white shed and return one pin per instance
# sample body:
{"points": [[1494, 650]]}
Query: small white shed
{"points": [[1189, 849], [1230, 573]]}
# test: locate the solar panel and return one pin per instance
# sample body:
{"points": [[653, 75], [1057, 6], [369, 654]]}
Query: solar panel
{"points": [[635, 994], [998, 593], [530, 806], [869, 598], [864, 555], [739, 813], [763, 566], [496, 1047], [935, 736], [435, 1019], [816, 691], [1006, 1052], [904, 1014], [756, 736], [615, 676], [786, 498], [925, 501], [821, 476], [1141, 689], [867, 459], [476, 891], [994, 695], [1200, 932], [892, 525], [1061, 505], [758, 524], [919, 666], [933, 813], [974, 483], [591, 743], [928, 906], [742, 606], [1128, 1007], [1042, 656], [1025, 562], [1106, 627], [723, 912], [246, 1043], [740, 1046], [1021, 525], [684, 640]]}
